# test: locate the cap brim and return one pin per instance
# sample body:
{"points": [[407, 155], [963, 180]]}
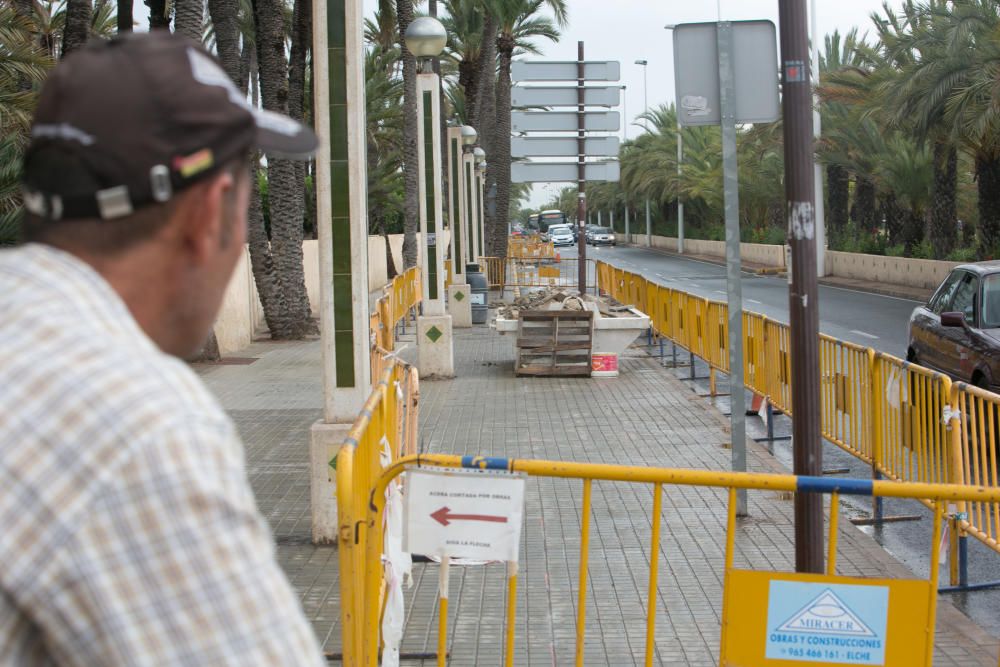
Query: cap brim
{"points": [[281, 136]]}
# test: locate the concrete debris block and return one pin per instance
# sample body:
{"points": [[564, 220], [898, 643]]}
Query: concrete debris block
{"points": [[560, 298]]}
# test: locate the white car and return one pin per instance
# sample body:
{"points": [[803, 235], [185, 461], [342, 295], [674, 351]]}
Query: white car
{"points": [[561, 235]]}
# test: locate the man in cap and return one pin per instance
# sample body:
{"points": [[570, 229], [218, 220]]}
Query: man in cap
{"points": [[128, 531]]}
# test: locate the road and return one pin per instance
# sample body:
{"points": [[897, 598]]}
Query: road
{"points": [[867, 319]]}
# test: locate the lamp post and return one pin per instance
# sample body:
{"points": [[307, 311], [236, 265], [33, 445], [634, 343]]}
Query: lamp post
{"points": [[478, 231], [469, 137], [625, 112], [425, 38], [680, 160], [645, 109]]}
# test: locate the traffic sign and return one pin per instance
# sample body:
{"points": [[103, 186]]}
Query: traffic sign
{"points": [[472, 514], [754, 63], [564, 96], [563, 146], [563, 121], [555, 70], [567, 172]]}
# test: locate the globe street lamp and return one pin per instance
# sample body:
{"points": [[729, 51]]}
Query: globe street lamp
{"points": [[425, 38]]}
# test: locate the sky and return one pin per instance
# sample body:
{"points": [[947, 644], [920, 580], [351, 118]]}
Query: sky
{"points": [[630, 30]]}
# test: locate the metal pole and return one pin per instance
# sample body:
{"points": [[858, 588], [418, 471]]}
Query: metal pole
{"points": [[807, 455], [680, 204], [625, 111], [734, 289], [649, 228], [581, 173], [817, 168], [628, 239]]}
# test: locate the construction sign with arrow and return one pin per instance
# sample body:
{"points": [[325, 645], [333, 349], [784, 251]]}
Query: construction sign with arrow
{"points": [[465, 514]]}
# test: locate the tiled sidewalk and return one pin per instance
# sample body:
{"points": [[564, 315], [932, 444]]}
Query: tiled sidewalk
{"points": [[644, 417]]}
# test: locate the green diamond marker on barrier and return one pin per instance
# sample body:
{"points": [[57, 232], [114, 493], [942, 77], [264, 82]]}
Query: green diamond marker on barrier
{"points": [[434, 333], [459, 296]]}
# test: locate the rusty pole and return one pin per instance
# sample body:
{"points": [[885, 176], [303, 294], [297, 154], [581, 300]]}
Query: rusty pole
{"points": [[800, 195], [581, 173]]}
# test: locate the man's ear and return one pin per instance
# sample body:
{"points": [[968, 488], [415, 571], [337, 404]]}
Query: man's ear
{"points": [[201, 216]]}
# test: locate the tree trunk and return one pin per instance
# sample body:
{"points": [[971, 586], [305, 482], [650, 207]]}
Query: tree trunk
{"points": [[301, 43], [485, 74], [159, 18], [944, 206], [77, 29], [125, 19], [411, 177], [498, 165], [284, 197], [189, 18], [893, 215], [208, 353], [863, 212], [838, 182], [988, 181]]}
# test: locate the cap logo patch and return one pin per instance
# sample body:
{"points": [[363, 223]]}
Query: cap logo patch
{"points": [[207, 72], [61, 131], [195, 163]]}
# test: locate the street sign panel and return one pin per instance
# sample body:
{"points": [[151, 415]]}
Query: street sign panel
{"points": [[563, 121], [566, 172], [474, 514], [755, 72], [563, 146], [536, 70], [564, 96]]}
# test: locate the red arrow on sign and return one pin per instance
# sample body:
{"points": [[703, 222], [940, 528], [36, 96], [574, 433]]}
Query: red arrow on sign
{"points": [[445, 517]]}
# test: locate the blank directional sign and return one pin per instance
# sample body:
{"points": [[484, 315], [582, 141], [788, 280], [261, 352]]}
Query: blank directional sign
{"points": [[563, 147], [563, 121], [755, 72], [555, 70], [564, 96], [556, 172]]}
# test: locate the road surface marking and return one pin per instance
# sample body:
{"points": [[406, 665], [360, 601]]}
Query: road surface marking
{"points": [[755, 301], [718, 291], [865, 334]]}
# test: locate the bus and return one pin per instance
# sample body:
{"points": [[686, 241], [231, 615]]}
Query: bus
{"points": [[533, 223], [549, 218]]}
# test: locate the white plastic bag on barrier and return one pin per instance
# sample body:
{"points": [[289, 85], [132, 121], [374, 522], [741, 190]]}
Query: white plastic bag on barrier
{"points": [[398, 567]]}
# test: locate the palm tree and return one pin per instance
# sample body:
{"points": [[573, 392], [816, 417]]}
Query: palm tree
{"points": [[284, 192], [519, 22], [411, 177], [189, 18]]}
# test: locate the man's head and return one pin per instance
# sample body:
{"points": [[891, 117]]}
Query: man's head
{"points": [[138, 165]]}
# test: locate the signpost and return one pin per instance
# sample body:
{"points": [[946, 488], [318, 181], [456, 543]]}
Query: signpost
{"points": [[726, 73], [581, 121]]}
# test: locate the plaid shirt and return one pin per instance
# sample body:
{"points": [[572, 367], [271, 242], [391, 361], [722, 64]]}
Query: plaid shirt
{"points": [[128, 531]]}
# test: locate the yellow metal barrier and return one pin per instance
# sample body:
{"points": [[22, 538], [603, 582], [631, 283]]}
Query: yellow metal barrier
{"points": [[907, 637], [530, 248], [902, 419], [526, 273]]}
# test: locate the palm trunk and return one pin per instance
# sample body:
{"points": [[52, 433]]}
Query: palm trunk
{"points": [[892, 213], [863, 212], [158, 16], [988, 181], [485, 74], [125, 20], [189, 18], [284, 197], [411, 177], [498, 169], [838, 182], [301, 41], [77, 28], [944, 210]]}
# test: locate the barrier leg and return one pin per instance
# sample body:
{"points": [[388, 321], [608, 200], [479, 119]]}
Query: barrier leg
{"points": [[511, 611], [442, 656], [673, 352], [692, 364], [963, 561], [654, 562], [661, 348], [581, 603], [649, 337]]}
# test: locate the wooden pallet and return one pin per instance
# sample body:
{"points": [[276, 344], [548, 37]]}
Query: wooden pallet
{"points": [[554, 342]]}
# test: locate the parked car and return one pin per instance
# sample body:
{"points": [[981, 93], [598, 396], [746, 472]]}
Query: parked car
{"points": [[561, 235], [958, 331], [601, 236]]}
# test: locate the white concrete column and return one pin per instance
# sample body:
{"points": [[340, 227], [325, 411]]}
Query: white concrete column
{"points": [[468, 182], [455, 205], [342, 224], [429, 192]]}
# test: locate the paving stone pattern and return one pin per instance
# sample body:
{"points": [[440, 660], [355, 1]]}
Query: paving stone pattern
{"points": [[644, 417]]}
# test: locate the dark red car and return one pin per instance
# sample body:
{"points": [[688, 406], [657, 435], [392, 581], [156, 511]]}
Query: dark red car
{"points": [[958, 331]]}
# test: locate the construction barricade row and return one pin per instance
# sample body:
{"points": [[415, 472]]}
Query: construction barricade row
{"points": [[909, 423], [768, 617]]}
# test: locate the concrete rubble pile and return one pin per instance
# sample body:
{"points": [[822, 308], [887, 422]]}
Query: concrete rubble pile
{"points": [[557, 298]]}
